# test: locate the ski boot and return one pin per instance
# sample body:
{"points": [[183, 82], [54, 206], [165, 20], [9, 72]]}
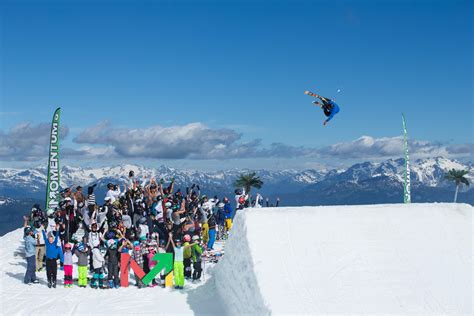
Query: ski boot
{"points": [[111, 284], [94, 283]]}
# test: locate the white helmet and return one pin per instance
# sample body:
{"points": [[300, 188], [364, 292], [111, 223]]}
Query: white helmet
{"points": [[195, 237], [50, 212]]}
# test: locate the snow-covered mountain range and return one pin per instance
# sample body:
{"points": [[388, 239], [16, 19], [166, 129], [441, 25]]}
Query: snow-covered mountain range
{"points": [[426, 173], [363, 183]]}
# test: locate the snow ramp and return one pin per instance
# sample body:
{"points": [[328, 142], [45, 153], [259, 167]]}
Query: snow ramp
{"points": [[376, 259]]}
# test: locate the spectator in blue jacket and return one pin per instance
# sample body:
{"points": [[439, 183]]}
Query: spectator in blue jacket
{"points": [[30, 254], [53, 251], [228, 215]]}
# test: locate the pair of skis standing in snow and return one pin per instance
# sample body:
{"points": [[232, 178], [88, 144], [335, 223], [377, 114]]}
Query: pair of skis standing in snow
{"points": [[329, 107]]}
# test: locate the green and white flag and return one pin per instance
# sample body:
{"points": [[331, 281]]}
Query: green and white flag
{"points": [[53, 184], [406, 186]]}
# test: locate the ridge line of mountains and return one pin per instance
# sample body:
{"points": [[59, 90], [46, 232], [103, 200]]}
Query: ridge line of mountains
{"points": [[362, 183]]}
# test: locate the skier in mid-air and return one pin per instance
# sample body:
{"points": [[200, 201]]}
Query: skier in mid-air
{"points": [[329, 107]]}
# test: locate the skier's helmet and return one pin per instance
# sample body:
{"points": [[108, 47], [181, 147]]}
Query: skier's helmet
{"points": [[67, 246], [187, 238], [27, 230], [143, 220], [195, 238], [238, 191]]}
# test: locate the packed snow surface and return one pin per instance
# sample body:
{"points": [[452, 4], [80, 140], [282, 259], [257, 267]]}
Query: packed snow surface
{"points": [[17, 298], [380, 259]]}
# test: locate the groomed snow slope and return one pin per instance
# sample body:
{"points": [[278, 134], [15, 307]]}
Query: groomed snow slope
{"points": [[382, 259]]}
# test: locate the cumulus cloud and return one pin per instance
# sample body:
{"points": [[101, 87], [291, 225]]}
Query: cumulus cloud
{"points": [[27, 141], [191, 141], [367, 147]]}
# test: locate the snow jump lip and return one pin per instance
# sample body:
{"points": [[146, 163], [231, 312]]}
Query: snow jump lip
{"points": [[378, 259]]}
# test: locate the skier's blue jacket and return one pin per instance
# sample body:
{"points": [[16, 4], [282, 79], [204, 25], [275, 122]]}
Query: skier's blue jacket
{"points": [[334, 110], [228, 211], [52, 249]]}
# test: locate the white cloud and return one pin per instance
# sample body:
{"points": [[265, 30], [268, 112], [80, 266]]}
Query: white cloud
{"points": [[27, 141], [191, 141], [367, 147], [196, 141]]}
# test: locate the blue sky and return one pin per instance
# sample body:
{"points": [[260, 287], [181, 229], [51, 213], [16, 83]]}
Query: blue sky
{"points": [[240, 66]]}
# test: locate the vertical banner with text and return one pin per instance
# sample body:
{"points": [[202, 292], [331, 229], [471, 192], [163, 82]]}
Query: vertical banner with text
{"points": [[406, 185], [53, 181]]}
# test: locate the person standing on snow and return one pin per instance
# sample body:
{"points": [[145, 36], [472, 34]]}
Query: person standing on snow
{"points": [[211, 221], [112, 256], [258, 200], [228, 216], [82, 252], [197, 251], [53, 251], [40, 247], [187, 254], [97, 266], [178, 265], [240, 199], [67, 265], [30, 254]]}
